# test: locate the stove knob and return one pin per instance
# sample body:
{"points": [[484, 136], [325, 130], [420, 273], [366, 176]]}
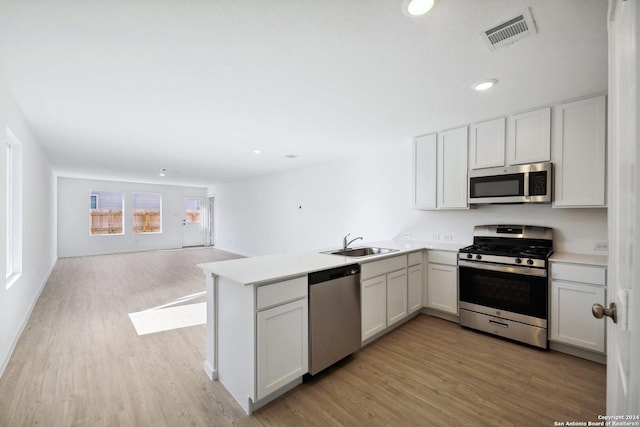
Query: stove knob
{"points": [[518, 261], [478, 256], [530, 261], [469, 256]]}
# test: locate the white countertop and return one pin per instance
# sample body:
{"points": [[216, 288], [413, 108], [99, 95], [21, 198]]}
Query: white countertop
{"points": [[270, 268], [599, 260]]}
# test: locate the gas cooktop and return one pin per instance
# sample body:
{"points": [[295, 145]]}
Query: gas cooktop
{"points": [[524, 245], [522, 251]]}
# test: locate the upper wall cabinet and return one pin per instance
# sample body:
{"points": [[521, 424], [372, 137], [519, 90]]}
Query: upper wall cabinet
{"points": [[425, 160], [440, 170], [452, 169], [529, 137], [486, 144], [579, 148]]}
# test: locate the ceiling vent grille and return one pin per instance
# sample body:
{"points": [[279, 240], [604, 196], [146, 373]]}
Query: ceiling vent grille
{"points": [[510, 30]]}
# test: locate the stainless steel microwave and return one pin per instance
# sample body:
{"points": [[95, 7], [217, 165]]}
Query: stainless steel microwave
{"points": [[511, 184]]}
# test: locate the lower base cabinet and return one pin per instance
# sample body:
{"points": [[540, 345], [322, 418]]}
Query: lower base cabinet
{"points": [[282, 346], [373, 295], [574, 289], [414, 287], [442, 282], [389, 292], [396, 296]]}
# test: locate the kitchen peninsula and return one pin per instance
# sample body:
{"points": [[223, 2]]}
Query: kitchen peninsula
{"points": [[257, 316]]}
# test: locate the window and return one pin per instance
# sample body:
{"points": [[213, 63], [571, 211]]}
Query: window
{"points": [[147, 213], [193, 210], [14, 208], [106, 209]]}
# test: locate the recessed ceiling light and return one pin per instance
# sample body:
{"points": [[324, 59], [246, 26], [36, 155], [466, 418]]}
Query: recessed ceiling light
{"points": [[484, 84], [257, 151], [419, 7], [163, 172]]}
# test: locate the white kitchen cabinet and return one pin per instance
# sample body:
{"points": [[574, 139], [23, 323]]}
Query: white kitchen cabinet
{"points": [[529, 137], [574, 289], [425, 160], [282, 346], [396, 296], [383, 293], [579, 153], [442, 282], [486, 144], [440, 170], [414, 283], [373, 294], [452, 169], [257, 336]]}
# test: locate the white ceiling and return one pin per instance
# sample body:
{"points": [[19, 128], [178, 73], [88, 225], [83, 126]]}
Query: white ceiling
{"points": [[118, 89]]}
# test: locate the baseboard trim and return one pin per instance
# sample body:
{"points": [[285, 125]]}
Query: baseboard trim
{"points": [[211, 373], [578, 352]]}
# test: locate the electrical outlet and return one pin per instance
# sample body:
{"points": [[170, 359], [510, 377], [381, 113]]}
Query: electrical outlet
{"points": [[601, 246], [446, 237], [406, 234], [435, 237]]}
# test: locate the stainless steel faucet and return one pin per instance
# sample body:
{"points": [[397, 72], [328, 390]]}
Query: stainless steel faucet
{"points": [[346, 244]]}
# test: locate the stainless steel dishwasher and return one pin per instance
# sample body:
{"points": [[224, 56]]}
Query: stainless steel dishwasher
{"points": [[334, 316]]}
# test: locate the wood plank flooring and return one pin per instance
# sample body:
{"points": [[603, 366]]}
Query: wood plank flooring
{"points": [[80, 362]]}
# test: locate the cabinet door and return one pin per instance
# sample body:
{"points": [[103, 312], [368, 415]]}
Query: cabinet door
{"points": [[442, 288], [283, 346], [374, 305], [396, 296], [452, 169], [414, 288], [579, 153], [529, 137], [571, 319], [424, 171], [486, 144]]}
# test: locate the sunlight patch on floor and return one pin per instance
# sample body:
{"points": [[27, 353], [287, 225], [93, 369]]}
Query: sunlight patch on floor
{"points": [[174, 315]]}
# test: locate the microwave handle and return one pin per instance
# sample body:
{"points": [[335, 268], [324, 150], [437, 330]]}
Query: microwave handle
{"points": [[526, 185]]}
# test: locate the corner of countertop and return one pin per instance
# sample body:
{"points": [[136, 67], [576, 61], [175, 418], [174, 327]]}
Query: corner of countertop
{"points": [[576, 258]]}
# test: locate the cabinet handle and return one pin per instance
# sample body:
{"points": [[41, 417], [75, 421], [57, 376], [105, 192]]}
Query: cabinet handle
{"points": [[599, 311]]}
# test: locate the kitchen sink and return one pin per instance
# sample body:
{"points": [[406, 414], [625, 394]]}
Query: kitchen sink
{"points": [[361, 251]]}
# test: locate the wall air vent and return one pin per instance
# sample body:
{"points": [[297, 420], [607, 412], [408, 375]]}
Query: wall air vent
{"points": [[510, 30]]}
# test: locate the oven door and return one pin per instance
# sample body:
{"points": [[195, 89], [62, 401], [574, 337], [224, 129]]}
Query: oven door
{"points": [[521, 291]]}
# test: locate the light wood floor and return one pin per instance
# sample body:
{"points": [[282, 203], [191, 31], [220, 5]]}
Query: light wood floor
{"points": [[80, 362]]}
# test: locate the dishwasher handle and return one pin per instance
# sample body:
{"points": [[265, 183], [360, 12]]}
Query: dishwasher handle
{"points": [[333, 273]]}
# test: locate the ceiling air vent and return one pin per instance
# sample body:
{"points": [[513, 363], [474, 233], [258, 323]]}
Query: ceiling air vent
{"points": [[510, 30]]}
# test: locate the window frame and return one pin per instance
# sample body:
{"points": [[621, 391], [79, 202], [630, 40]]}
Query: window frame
{"points": [[98, 193], [133, 212]]}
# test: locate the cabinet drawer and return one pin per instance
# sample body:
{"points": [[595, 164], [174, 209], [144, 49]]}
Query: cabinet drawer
{"points": [[387, 265], [579, 273], [443, 257], [281, 292], [415, 258]]}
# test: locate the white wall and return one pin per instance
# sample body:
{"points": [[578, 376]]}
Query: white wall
{"points": [[39, 228], [73, 218], [368, 196]]}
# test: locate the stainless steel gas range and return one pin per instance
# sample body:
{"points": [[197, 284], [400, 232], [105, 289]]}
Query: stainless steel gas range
{"points": [[503, 284]]}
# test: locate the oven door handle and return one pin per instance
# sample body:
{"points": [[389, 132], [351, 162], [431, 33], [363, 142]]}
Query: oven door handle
{"points": [[528, 271]]}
